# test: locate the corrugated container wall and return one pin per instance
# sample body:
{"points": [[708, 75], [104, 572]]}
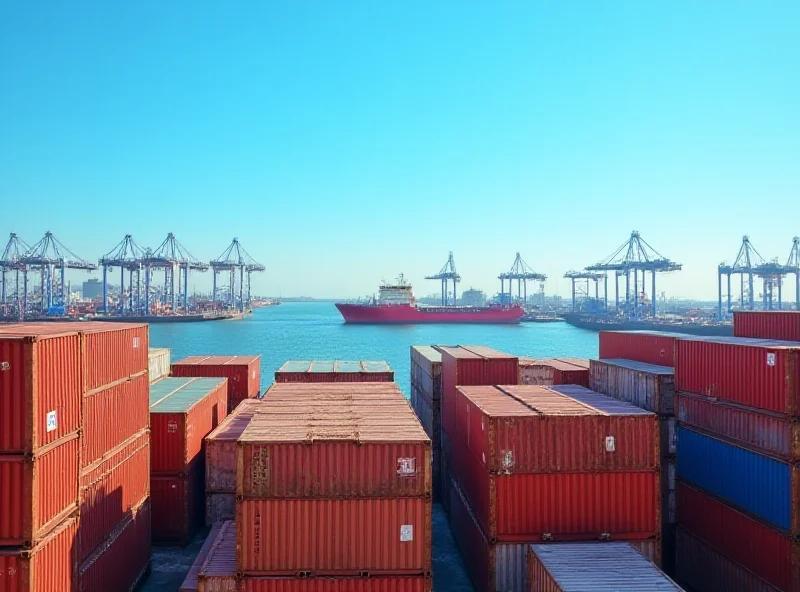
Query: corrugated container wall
{"points": [[243, 374], [190, 583], [381, 584], [221, 446], [773, 324], [218, 572], [645, 385], [177, 505], [426, 370], [158, 361], [651, 347], [220, 507], [113, 351]]}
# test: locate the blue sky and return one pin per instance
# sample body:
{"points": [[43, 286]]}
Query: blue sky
{"points": [[347, 142]]}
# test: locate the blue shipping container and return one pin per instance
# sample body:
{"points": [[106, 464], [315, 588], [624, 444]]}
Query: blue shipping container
{"points": [[755, 483]]}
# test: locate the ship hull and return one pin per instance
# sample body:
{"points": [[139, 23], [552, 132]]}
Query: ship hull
{"points": [[583, 322], [411, 315]]}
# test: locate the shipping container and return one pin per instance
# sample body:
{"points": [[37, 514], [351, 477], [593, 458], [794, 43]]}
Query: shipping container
{"points": [[123, 560], [369, 537], [550, 372], [178, 504], [48, 567], [761, 431], [591, 567], [220, 507], [644, 385], [221, 446], [773, 324], [218, 572], [751, 372], [112, 351], [650, 347], [113, 415], [762, 486], [534, 429], [445, 476], [426, 370], [41, 382], [110, 489], [158, 361], [764, 551], [190, 582], [429, 414], [37, 493], [333, 584], [183, 411], [243, 374], [334, 371], [702, 568]]}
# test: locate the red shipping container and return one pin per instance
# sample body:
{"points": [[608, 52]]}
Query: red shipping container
{"points": [[40, 386], [381, 584], [113, 351], [765, 552], [704, 568], [773, 324], [334, 371], [221, 446], [220, 507], [183, 411], [651, 347], [110, 489], [750, 372], [48, 567], [769, 433], [218, 572], [243, 374], [334, 536], [38, 493], [177, 505], [113, 415], [533, 429], [644, 385], [550, 372], [190, 583], [123, 560]]}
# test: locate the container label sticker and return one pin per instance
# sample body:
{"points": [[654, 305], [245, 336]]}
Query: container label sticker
{"points": [[52, 421], [254, 374], [610, 444], [4, 366], [172, 427], [406, 466], [135, 342], [508, 460], [259, 468], [770, 359], [406, 533]]}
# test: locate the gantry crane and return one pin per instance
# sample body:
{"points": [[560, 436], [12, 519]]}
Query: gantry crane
{"points": [[128, 256], [234, 259], [445, 275], [521, 272]]}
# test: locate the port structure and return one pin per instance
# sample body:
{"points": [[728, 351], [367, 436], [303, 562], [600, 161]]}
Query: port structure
{"points": [[793, 263], [589, 276], [51, 259], [750, 264], [633, 257], [522, 273], [445, 275], [129, 257], [10, 269], [177, 263], [235, 259]]}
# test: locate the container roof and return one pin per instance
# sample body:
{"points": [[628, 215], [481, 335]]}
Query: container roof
{"points": [[221, 560], [216, 360], [232, 426], [567, 365], [337, 366], [459, 352], [429, 352], [672, 334], [638, 366], [486, 352], [176, 395], [748, 341]]}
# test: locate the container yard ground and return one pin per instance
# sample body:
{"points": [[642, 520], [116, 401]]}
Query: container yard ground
{"points": [[171, 564]]}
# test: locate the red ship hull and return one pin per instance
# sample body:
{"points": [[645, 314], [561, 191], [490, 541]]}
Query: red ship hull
{"points": [[404, 314]]}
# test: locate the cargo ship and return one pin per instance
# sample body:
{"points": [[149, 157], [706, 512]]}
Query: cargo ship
{"points": [[599, 323], [395, 304]]}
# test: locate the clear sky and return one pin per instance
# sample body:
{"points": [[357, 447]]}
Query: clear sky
{"points": [[345, 142]]}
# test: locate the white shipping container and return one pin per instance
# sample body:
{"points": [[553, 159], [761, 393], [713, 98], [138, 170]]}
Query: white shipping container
{"points": [[158, 360], [647, 386]]}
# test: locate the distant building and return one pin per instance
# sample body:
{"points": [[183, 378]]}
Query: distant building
{"points": [[473, 297], [92, 290]]}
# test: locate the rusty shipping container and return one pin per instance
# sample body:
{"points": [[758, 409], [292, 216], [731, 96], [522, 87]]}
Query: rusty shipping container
{"points": [[110, 489], [430, 416], [218, 572], [644, 385], [243, 374], [41, 381], [768, 433], [783, 325], [220, 507], [650, 347], [426, 370], [550, 372], [183, 411], [767, 553], [334, 371], [333, 584], [158, 363], [48, 567], [122, 561], [534, 429], [751, 372], [589, 567], [704, 569], [37, 493], [190, 582], [113, 415], [386, 536], [221, 446], [178, 505]]}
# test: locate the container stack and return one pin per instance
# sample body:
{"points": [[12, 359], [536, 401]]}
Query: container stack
{"points": [[183, 411], [333, 482], [243, 374], [540, 464], [556, 371], [334, 371], [738, 403], [426, 400], [158, 359]]}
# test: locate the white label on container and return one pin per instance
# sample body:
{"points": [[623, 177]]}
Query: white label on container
{"points": [[406, 466], [52, 421], [770, 359], [5, 366], [508, 460], [172, 427], [135, 342], [406, 533], [483, 457], [610, 444]]}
